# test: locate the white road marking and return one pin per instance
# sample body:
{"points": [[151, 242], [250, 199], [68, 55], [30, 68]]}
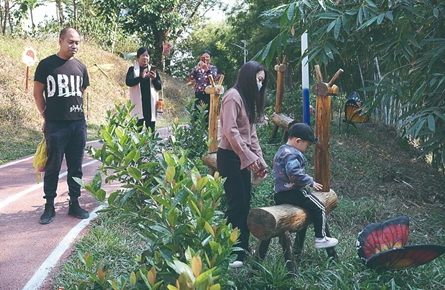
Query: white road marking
{"points": [[15, 162], [40, 276], [31, 157], [34, 187]]}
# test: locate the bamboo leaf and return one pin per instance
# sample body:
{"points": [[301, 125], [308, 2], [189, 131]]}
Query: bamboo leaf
{"points": [[431, 123], [291, 12], [337, 28], [380, 18]]}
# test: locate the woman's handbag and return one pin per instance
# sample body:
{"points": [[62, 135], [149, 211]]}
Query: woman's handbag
{"points": [[40, 158]]}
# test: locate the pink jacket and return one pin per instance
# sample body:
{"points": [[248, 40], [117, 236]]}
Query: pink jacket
{"points": [[237, 134]]}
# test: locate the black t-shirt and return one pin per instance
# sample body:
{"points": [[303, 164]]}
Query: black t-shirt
{"points": [[64, 81]]}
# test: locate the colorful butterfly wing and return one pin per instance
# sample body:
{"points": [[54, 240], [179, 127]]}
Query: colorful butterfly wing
{"points": [[405, 257], [353, 114], [379, 237]]}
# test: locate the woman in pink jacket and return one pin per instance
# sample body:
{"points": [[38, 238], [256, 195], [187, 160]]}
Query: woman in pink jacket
{"points": [[239, 154]]}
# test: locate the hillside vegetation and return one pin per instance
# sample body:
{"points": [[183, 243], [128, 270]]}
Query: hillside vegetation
{"points": [[21, 124]]}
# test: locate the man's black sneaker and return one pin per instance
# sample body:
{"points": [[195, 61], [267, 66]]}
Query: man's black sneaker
{"points": [[77, 211], [48, 214]]}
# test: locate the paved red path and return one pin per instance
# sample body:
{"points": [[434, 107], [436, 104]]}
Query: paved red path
{"points": [[29, 251], [25, 244]]}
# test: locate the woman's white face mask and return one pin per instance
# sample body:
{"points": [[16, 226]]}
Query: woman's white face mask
{"points": [[259, 79]]}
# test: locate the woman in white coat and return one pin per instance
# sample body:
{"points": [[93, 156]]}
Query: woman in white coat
{"points": [[144, 82]]}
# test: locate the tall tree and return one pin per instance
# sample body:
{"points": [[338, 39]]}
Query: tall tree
{"points": [[398, 45], [155, 22]]}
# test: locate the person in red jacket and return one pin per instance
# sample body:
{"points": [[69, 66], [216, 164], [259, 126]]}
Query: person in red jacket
{"points": [[199, 76]]}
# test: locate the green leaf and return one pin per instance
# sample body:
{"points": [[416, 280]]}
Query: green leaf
{"points": [[266, 50], [431, 123], [203, 277], [135, 173], [291, 12], [170, 173], [337, 28], [168, 158], [209, 229], [380, 18], [330, 26], [107, 137], [201, 183], [101, 194], [182, 268], [172, 216], [194, 208], [112, 197]]}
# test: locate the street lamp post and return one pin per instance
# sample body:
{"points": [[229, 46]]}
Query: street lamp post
{"points": [[244, 49]]}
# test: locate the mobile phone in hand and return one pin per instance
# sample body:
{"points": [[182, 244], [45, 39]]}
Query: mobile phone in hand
{"points": [[203, 59], [153, 68]]}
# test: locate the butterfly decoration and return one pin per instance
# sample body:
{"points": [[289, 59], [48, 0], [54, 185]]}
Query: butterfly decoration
{"points": [[382, 246], [353, 113]]}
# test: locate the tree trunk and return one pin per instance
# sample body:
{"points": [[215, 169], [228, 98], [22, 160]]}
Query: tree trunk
{"points": [[59, 11], [268, 222], [157, 56], [6, 16]]}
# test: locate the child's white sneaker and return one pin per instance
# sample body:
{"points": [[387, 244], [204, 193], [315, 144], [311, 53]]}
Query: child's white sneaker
{"points": [[326, 242], [236, 264]]}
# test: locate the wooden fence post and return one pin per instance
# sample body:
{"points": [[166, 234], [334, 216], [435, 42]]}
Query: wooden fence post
{"points": [[322, 127], [215, 92], [280, 68]]}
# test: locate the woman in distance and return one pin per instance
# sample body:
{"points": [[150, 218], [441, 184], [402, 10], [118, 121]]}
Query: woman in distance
{"points": [[144, 82]]}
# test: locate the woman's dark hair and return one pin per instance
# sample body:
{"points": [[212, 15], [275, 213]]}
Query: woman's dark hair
{"points": [[246, 85], [207, 51], [142, 50]]}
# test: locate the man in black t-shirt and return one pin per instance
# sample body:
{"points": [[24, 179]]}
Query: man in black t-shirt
{"points": [[60, 82]]}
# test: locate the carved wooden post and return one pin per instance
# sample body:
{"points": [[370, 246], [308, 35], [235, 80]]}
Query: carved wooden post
{"points": [[322, 127], [280, 68], [215, 91]]}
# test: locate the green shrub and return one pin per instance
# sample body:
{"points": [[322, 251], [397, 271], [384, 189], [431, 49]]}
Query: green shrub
{"points": [[175, 208]]}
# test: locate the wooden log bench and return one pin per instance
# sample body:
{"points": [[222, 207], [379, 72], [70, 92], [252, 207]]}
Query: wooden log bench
{"points": [[280, 121], [210, 161], [280, 221]]}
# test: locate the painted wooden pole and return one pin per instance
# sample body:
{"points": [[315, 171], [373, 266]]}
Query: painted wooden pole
{"points": [[280, 68], [29, 58], [215, 92], [305, 80], [27, 79], [323, 91]]}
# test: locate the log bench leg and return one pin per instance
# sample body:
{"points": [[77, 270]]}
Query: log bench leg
{"points": [[263, 246], [330, 251], [286, 243], [300, 236]]}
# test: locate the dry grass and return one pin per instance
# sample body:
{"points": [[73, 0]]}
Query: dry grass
{"points": [[20, 122]]}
